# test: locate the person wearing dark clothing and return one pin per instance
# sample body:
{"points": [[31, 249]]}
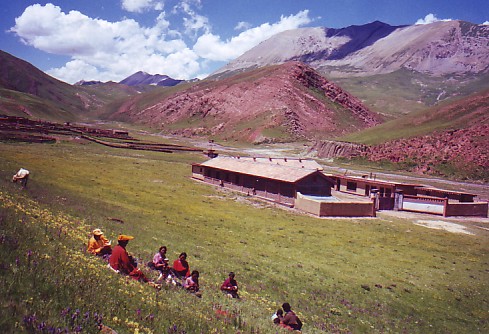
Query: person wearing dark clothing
{"points": [[290, 318], [230, 286]]}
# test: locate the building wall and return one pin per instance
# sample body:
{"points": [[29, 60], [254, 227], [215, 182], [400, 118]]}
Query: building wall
{"points": [[273, 190], [467, 209], [364, 187], [315, 184], [198, 172], [334, 209], [432, 207]]}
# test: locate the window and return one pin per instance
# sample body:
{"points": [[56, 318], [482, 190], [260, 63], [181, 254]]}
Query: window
{"points": [[351, 186]]}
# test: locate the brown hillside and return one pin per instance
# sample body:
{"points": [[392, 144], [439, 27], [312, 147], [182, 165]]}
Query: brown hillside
{"points": [[451, 139], [462, 151], [283, 102]]}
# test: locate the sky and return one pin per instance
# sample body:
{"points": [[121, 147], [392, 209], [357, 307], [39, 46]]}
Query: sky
{"points": [[108, 40]]}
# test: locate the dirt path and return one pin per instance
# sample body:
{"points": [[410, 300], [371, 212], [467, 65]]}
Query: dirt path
{"points": [[301, 150], [463, 225]]}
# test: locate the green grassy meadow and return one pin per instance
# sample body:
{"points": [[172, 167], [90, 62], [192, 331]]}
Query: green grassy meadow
{"points": [[371, 275]]}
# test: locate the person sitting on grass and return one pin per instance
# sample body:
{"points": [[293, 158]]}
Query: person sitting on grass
{"points": [[191, 283], [98, 244], [160, 263], [290, 319], [230, 286], [181, 268], [122, 262], [277, 317]]}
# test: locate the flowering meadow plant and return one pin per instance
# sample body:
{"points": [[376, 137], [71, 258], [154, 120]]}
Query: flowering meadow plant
{"points": [[382, 275]]}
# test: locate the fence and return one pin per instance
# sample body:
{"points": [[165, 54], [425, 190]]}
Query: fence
{"points": [[424, 204], [442, 206]]}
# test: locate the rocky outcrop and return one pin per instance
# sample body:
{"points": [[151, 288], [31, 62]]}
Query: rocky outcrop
{"points": [[337, 149], [462, 149]]}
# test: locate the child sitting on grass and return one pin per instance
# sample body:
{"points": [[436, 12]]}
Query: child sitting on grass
{"points": [[191, 283]]}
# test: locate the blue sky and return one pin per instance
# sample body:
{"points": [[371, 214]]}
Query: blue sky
{"points": [[112, 39]]}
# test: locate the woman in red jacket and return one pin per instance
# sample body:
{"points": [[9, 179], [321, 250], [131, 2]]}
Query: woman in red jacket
{"points": [[181, 268]]}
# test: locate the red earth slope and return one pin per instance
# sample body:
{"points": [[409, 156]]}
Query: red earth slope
{"points": [[276, 103]]}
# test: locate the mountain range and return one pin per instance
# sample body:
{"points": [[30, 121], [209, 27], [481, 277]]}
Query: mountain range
{"points": [[440, 48], [139, 79], [384, 86], [143, 78], [393, 69]]}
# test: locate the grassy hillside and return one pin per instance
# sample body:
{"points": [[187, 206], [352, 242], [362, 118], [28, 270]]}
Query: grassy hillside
{"points": [[28, 92], [403, 92], [20, 104], [341, 275], [455, 114]]}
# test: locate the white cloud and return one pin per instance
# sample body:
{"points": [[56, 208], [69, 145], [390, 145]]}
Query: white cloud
{"points": [[243, 26], [486, 23], [104, 50], [430, 18], [211, 46], [138, 6], [193, 22], [71, 71]]}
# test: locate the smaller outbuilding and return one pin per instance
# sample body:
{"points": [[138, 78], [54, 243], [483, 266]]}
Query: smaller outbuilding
{"points": [[390, 195]]}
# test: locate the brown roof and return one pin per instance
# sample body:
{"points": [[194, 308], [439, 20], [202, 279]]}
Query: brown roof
{"points": [[263, 167], [289, 162]]}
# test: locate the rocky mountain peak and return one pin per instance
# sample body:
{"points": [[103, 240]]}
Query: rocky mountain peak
{"points": [[451, 47], [142, 78]]}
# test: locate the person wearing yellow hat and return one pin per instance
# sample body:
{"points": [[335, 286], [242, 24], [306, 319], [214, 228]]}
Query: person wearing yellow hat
{"points": [[121, 261], [98, 244]]}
